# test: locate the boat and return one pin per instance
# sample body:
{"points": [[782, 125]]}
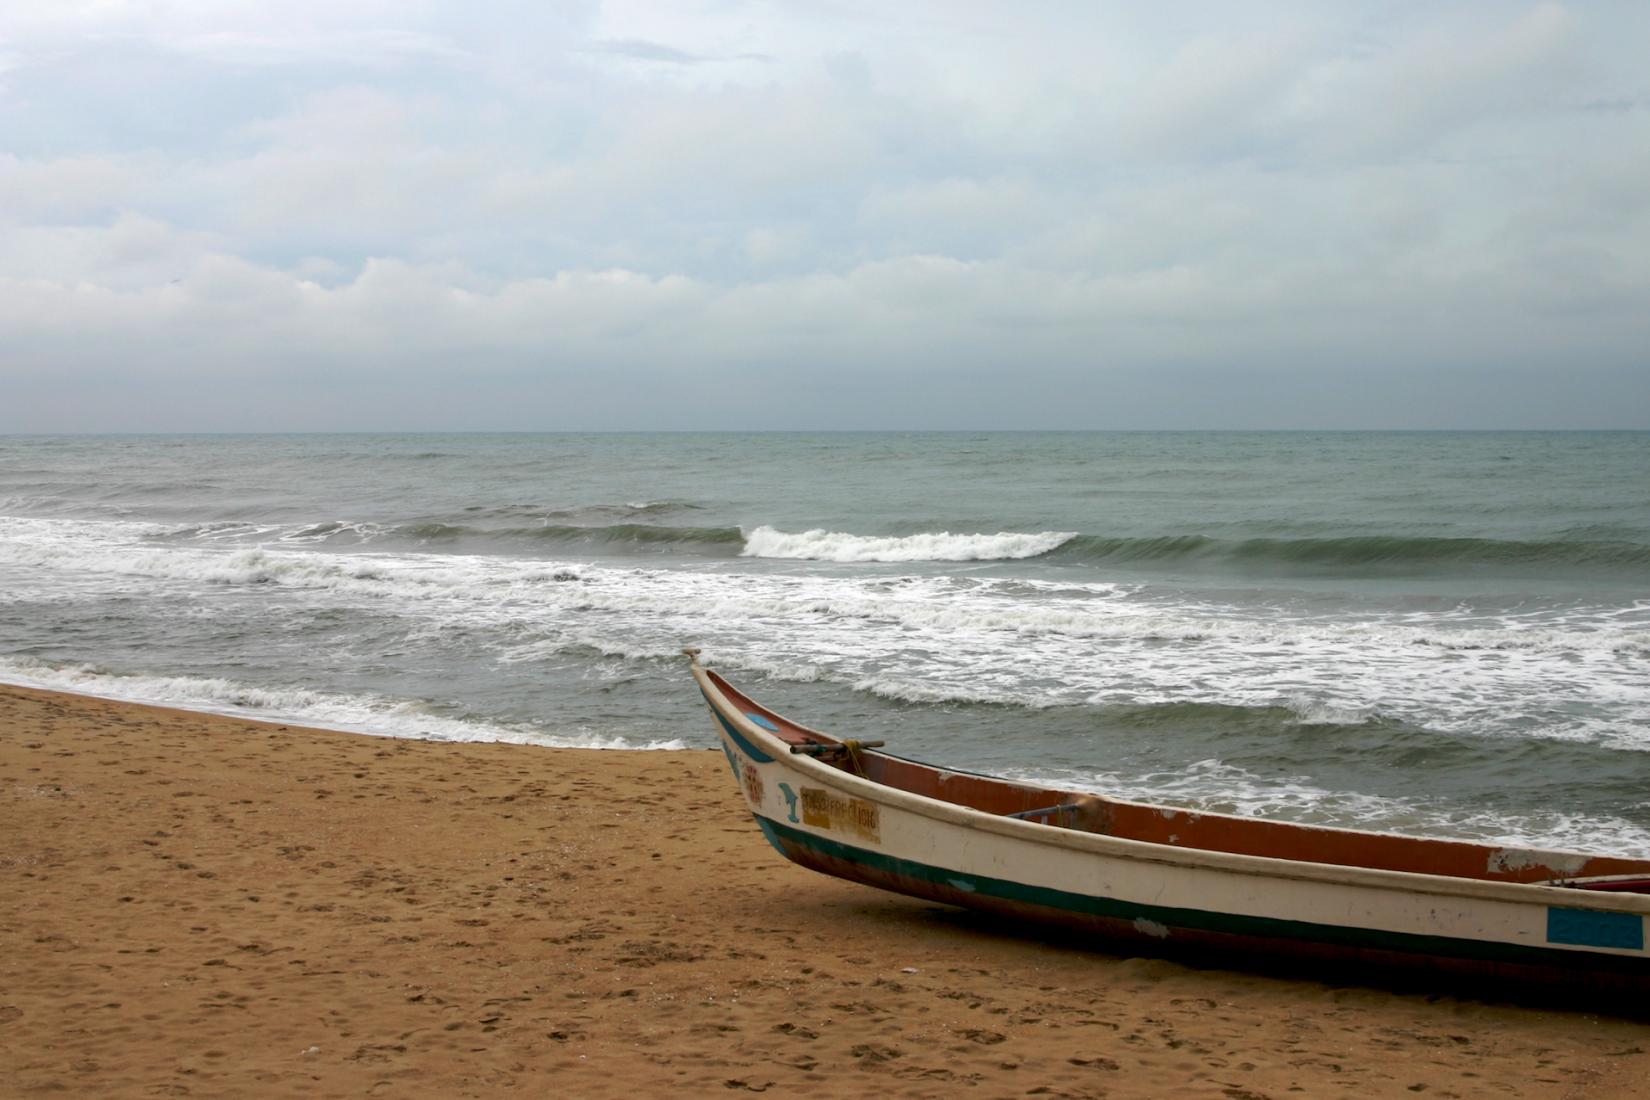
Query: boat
{"points": [[1213, 885]]}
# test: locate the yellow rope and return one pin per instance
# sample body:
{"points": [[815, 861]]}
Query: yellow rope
{"points": [[856, 764]]}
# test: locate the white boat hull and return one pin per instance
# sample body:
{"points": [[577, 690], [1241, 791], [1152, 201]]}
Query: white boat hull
{"points": [[833, 821]]}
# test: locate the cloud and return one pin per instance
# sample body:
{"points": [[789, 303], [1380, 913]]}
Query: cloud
{"points": [[640, 49], [767, 193], [1215, 96], [1445, 80], [643, 50], [391, 313], [348, 48]]}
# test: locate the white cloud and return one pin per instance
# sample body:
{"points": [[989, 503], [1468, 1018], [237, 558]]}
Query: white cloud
{"points": [[76, 188], [1215, 94], [1446, 79], [346, 48], [199, 188], [131, 253]]}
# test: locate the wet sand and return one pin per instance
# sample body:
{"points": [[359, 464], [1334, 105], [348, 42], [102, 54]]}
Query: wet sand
{"points": [[203, 906]]}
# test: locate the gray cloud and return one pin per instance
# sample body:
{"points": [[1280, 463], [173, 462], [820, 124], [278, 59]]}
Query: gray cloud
{"points": [[642, 50], [953, 212]]}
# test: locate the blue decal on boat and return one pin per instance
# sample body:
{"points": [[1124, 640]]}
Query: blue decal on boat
{"points": [[790, 802], [1587, 928], [738, 738], [761, 721]]}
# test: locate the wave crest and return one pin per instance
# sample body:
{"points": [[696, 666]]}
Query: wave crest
{"points": [[822, 545]]}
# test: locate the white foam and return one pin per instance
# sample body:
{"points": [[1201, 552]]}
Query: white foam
{"points": [[299, 706], [821, 545], [1576, 674], [1316, 712], [1211, 786]]}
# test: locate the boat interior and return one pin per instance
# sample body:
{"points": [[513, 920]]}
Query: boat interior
{"points": [[1183, 828]]}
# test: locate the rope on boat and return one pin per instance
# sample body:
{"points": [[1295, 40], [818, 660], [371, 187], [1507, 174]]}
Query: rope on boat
{"points": [[856, 758], [812, 749], [832, 754]]}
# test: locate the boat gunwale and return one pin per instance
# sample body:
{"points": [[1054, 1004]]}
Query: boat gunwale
{"points": [[1516, 893]]}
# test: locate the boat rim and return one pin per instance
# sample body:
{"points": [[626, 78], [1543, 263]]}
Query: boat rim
{"points": [[1522, 893]]}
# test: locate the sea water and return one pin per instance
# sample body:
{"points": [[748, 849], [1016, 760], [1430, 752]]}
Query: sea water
{"points": [[1440, 633]]}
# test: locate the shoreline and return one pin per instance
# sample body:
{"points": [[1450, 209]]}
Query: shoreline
{"points": [[11, 679], [194, 903]]}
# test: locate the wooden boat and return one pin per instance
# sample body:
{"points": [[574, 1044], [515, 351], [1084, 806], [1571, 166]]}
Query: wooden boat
{"points": [[1174, 878]]}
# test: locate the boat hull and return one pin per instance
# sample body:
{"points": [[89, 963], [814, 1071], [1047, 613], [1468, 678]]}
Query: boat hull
{"points": [[1229, 906], [1230, 940]]}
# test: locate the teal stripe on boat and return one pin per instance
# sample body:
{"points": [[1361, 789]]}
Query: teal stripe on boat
{"points": [[1260, 928], [745, 746], [1587, 928]]}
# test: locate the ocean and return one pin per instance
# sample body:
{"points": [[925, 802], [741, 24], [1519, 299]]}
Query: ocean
{"points": [[1434, 633]]}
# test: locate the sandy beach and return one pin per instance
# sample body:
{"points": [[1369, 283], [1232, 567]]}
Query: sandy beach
{"points": [[199, 905]]}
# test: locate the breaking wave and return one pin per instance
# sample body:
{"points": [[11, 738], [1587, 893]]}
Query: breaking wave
{"points": [[820, 545], [635, 528], [441, 535]]}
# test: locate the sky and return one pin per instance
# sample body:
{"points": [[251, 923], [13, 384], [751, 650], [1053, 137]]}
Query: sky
{"points": [[376, 215]]}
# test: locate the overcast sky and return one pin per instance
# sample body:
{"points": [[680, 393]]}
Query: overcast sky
{"points": [[382, 215]]}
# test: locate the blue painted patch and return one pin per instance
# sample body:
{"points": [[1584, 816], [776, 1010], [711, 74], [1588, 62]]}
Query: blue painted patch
{"points": [[745, 746], [790, 802], [761, 721], [1586, 928]]}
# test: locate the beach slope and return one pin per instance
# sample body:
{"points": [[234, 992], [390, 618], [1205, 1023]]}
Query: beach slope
{"points": [[199, 905]]}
